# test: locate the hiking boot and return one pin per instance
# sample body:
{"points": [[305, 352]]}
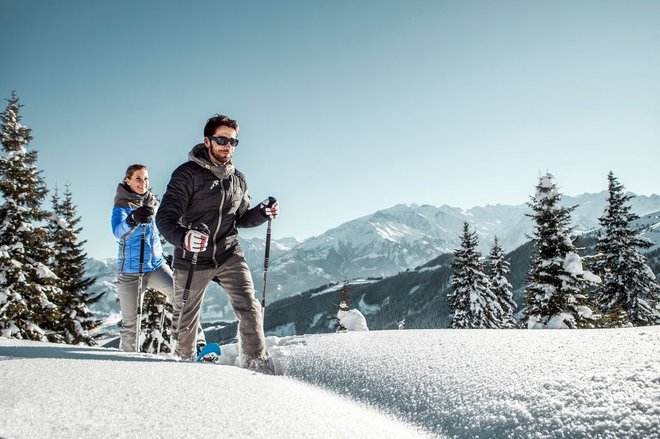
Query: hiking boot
{"points": [[261, 365]]}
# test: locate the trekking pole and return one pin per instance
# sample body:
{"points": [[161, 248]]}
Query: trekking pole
{"points": [[266, 258], [140, 298], [161, 324], [271, 201], [186, 291]]}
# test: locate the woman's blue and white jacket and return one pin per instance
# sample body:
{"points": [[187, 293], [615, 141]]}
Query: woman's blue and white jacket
{"points": [[130, 238]]}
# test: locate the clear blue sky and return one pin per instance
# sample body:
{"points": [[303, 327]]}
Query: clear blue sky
{"points": [[346, 107]]}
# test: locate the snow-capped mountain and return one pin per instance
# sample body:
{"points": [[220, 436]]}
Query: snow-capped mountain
{"points": [[405, 236], [105, 272], [254, 248]]}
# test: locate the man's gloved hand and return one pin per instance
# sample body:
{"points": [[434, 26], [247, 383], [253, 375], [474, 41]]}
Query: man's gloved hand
{"points": [[270, 207], [195, 241], [141, 215]]}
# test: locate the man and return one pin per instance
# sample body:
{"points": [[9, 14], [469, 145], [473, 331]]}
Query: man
{"points": [[209, 190]]}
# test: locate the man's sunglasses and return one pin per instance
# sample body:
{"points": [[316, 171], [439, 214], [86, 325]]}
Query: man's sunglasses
{"points": [[222, 140]]}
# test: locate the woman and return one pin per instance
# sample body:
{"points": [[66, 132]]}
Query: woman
{"points": [[139, 250]]}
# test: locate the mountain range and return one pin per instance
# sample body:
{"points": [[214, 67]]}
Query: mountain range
{"points": [[404, 236], [383, 244]]}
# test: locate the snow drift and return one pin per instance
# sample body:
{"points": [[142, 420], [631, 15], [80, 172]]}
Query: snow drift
{"points": [[444, 383]]}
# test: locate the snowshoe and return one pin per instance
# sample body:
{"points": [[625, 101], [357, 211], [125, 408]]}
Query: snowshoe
{"points": [[209, 353]]}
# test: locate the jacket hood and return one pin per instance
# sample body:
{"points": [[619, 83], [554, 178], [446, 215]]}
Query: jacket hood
{"points": [[127, 198], [200, 156]]}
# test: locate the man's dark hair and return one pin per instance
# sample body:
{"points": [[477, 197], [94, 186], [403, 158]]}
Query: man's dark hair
{"points": [[216, 121]]}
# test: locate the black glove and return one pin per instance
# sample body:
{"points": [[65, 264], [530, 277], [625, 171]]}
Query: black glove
{"points": [[169, 259], [270, 207], [141, 215]]}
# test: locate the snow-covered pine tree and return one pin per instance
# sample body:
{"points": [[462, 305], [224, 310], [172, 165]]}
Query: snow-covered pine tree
{"points": [[630, 290], [474, 304], [156, 323], [500, 285], [345, 302], [69, 265], [27, 285], [557, 294]]}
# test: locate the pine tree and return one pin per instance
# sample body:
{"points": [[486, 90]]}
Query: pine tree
{"points": [[156, 326], [630, 289], [557, 294], [27, 285], [473, 302], [500, 286], [69, 265], [345, 302]]}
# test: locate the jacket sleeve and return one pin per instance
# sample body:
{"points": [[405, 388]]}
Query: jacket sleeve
{"points": [[174, 204], [249, 217], [119, 225]]}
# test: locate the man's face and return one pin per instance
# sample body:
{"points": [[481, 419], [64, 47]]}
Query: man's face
{"points": [[221, 154]]}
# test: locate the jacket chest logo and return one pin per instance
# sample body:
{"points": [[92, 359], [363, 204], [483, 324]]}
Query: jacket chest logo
{"points": [[214, 184]]}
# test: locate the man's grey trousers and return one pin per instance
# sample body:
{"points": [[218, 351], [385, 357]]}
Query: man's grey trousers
{"points": [[234, 277]]}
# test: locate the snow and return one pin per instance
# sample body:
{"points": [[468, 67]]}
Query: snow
{"points": [[45, 272], [547, 188], [62, 392], [371, 309], [380, 384], [352, 320], [283, 330], [61, 222], [316, 319], [330, 289], [573, 265], [558, 321], [433, 268], [391, 231], [592, 278]]}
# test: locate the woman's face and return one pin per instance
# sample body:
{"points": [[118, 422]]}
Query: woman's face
{"points": [[139, 181]]}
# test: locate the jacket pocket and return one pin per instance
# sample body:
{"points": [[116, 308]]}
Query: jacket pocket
{"points": [[234, 202]]}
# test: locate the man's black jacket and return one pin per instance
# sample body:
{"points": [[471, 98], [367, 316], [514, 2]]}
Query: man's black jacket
{"points": [[216, 195]]}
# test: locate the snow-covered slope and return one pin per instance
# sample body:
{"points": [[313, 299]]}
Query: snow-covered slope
{"points": [[650, 226], [67, 392], [449, 383]]}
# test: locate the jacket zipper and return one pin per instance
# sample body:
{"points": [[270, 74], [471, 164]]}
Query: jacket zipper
{"points": [[123, 248], [217, 229], [123, 254]]}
